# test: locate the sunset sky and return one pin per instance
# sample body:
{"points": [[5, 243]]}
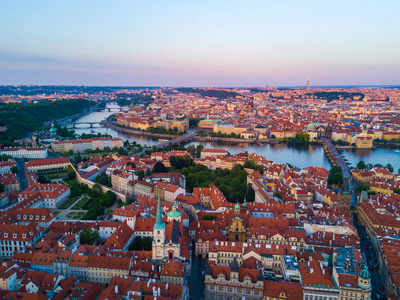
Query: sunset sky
{"points": [[199, 43]]}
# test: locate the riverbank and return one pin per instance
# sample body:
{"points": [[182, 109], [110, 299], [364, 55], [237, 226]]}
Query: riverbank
{"points": [[387, 145], [141, 132]]}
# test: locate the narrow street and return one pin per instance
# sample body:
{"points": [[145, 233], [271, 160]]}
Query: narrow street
{"points": [[196, 283], [366, 248], [21, 174]]}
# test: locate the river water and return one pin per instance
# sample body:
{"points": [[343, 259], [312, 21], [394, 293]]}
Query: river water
{"points": [[300, 156], [100, 116]]}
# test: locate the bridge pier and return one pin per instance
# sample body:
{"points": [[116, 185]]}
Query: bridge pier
{"points": [[73, 125], [91, 125]]}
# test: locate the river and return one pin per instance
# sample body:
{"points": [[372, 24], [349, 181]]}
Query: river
{"points": [[300, 156], [100, 116]]}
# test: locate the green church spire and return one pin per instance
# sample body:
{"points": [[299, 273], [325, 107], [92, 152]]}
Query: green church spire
{"points": [[159, 223]]}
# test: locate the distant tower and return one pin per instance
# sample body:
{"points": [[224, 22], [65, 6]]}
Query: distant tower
{"points": [[308, 82]]}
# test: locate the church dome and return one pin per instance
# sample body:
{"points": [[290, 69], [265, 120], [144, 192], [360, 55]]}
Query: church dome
{"points": [[364, 274], [174, 213], [237, 206], [234, 265], [53, 130]]}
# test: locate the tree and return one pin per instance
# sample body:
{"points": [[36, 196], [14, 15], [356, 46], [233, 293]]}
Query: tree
{"points": [[14, 169], [89, 236], [278, 195], [273, 136], [370, 166], [108, 199], [191, 149], [362, 186], [97, 188], [335, 175], [172, 160], [361, 165], [140, 174], [42, 179], [159, 168], [179, 164], [208, 217], [137, 244], [77, 158], [1, 187], [131, 164], [5, 157], [198, 149], [302, 137], [121, 151], [71, 172], [389, 167], [141, 244]]}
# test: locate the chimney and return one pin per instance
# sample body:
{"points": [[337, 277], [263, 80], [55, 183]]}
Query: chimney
{"points": [[311, 270], [159, 292], [116, 289]]}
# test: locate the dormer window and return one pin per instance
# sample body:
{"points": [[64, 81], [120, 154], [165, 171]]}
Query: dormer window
{"points": [[15, 235], [24, 235], [6, 234], [37, 217]]}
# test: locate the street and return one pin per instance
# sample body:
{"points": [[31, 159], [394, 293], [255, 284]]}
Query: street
{"points": [[21, 174], [366, 248], [196, 284]]}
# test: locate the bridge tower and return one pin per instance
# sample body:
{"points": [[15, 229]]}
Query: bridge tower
{"points": [[344, 195]]}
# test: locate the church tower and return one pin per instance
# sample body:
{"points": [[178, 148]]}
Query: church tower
{"points": [[159, 234]]}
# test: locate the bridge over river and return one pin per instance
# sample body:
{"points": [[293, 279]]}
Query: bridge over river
{"points": [[181, 139], [337, 160], [86, 123]]}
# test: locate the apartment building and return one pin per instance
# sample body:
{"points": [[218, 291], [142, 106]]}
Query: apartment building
{"points": [[10, 181], [50, 165], [120, 180], [82, 145], [101, 269], [5, 166], [229, 283], [48, 195], [26, 152], [14, 238]]}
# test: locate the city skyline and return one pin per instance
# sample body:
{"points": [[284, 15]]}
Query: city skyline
{"points": [[199, 44]]}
